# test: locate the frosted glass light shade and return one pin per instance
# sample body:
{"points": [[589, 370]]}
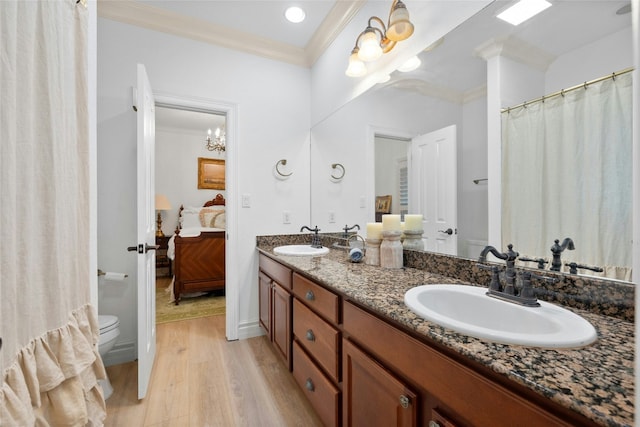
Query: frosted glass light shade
{"points": [[400, 27], [356, 67], [410, 65], [370, 49]]}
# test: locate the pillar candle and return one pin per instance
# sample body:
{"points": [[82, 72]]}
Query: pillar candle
{"points": [[413, 222], [390, 222], [374, 230]]}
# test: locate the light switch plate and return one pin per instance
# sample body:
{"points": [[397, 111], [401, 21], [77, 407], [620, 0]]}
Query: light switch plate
{"points": [[246, 200], [332, 217], [286, 217]]}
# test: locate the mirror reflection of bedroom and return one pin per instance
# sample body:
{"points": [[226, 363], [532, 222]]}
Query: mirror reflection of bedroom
{"points": [[191, 219]]}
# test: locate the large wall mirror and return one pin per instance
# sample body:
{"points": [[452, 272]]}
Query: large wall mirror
{"points": [[569, 43]]}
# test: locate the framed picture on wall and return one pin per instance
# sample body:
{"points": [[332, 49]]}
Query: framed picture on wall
{"points": [[210, 174], [383, 204]]}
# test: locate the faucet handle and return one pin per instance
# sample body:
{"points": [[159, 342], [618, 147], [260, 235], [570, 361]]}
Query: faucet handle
{"points": [[495, 276], [573, 267], [541, 261]]}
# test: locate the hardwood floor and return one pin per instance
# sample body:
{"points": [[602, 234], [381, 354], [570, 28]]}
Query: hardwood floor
{"points": [[200, 379]]}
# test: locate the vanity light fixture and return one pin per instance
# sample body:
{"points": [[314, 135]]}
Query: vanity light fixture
{"points": [[218, 143], [378, 39], [523, 10]]}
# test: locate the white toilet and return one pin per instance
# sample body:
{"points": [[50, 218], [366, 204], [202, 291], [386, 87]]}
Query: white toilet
{"points": [[109, 332]]}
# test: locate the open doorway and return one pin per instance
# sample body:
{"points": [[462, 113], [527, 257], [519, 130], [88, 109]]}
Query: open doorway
{"points": [[188, 142], [391, 175]]}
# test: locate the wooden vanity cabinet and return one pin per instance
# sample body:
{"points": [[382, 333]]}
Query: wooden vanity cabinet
{"points": [[275, 301], [373, 396], [317, 347], [358, 368], [448, 392]]}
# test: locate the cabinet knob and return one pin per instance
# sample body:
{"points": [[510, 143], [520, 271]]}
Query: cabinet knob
{"points": [[309, 385], [404, 401], [433, 423], [310, 296], [310, 335]]}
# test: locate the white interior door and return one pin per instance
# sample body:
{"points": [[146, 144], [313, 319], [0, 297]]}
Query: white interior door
{"points": [[433, 188], [146, 231]]}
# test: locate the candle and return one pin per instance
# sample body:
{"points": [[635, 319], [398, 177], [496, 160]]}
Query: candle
{"points": [[374, 230], [390, 222], [413, 222]]}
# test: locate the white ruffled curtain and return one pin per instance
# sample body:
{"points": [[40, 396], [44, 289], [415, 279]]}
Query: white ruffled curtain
{"points": [[567, 172], [49, 358]]}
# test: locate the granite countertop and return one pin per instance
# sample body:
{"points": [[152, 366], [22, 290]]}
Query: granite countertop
{"points": [[596, 381]]}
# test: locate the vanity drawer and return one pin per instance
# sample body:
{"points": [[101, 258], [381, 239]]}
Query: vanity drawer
{"points": [[321, 300], [319, 338], [323, 395], [276, 271]]}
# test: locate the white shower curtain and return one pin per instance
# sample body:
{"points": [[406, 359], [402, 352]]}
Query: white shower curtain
{"points": [[49, 358], [567, 172]]}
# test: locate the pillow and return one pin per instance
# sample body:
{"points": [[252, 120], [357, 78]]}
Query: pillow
{"points": [[208, 215], [190, 220], [219, 221]]}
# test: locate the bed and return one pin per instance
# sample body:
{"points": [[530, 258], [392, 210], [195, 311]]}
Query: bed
{"points": [[197, 249]]}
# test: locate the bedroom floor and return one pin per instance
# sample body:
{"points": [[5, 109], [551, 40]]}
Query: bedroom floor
{"points": [[238, 383]]}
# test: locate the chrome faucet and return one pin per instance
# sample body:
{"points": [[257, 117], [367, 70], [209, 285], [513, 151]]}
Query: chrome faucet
{"points": [[347, 229], [315, 240], [557, 249]]}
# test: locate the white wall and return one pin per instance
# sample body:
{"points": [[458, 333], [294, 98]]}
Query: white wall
{"points": [[605, 56], [272, 101], [177, 153]]}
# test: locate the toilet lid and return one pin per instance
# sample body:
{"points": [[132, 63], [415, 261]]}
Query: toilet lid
{"points": [[107, 322]]}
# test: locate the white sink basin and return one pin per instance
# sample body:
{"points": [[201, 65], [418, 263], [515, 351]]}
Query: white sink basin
{"points": [[466, 309], [300, 250]]}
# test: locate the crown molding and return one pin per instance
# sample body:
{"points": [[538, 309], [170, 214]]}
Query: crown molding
{"points": [[336, 20], [516, 49], [158, 19]]}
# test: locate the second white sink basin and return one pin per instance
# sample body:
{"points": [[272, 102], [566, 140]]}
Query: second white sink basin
{"points": [[300, 250], [468, 310]]}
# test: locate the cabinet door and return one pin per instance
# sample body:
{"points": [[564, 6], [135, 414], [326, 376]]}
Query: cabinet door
{"points": [[265, 283], [281, 322], [372, 396]]}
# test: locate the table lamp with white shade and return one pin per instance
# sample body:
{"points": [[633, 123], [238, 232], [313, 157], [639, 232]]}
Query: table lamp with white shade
{"points": [[162, 204]]}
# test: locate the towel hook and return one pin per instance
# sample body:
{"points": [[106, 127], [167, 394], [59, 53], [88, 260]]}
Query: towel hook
{"points": [[335, 166], [282, 162]]}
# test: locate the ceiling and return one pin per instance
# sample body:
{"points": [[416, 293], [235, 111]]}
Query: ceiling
{"points": [[452, 69]]}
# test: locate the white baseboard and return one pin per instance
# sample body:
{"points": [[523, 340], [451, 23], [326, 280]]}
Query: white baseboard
{"points": [[249, 330], [120, 353]]}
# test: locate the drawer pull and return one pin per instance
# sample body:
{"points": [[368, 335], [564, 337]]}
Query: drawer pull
{"points": [[404, 401], [310, 335], [433, 423], [309, 385], [310, 296]]}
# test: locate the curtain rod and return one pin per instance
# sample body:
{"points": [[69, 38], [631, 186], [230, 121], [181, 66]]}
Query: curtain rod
{"points": [[563, 91]]}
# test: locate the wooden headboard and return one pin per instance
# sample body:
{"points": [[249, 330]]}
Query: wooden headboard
{"points": [[216, 201]]}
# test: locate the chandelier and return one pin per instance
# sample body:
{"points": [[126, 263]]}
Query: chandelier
{"points": [[218, 143], [374, 41]]}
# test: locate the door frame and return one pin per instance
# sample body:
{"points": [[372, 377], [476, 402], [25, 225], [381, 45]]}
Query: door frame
{"points": [[370, 162], [231, 246]]}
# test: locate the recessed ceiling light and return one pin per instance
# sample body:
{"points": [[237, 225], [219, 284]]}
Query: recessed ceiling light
{"points": [[410, 65], [523, 10], [294, 14]]}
